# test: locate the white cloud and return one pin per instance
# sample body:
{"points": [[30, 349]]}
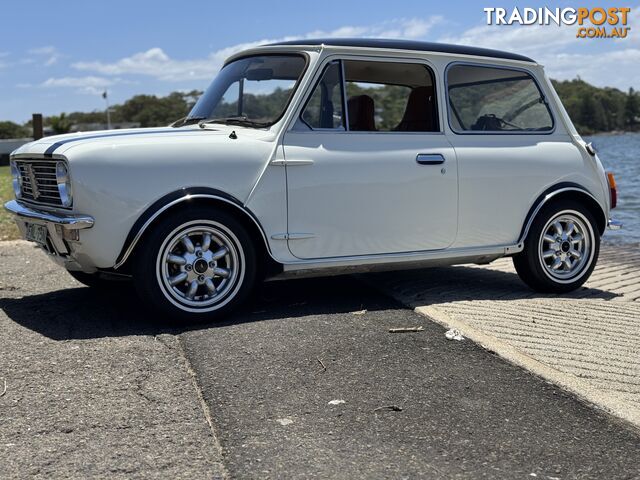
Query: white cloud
{"points": [[596, 70], [91, 85], [528, 39], [412, 28], [156, 63], [78, 82], [564, 56], [49, 53], [48, 50]]}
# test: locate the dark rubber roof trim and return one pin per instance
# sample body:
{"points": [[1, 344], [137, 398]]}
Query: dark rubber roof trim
{"points": [[407, 45]]}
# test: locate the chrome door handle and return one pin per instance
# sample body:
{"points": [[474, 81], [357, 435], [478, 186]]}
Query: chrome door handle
{"points": [[290, 163], [429, 159]]}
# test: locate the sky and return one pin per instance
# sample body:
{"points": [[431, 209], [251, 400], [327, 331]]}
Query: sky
{"points": [[60, 56]]}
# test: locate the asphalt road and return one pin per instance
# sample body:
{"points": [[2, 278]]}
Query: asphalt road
{"points": [[587, 340], [93, 388], [96, 389]]}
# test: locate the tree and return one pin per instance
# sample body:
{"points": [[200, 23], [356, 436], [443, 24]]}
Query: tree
{"points": [[60, 124], [13, 130], [192, 97], [631, 108], [592, 109], [152, 111]]}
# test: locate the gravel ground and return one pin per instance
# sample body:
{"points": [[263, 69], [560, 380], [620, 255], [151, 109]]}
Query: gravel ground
{"points": [[93, 389]]}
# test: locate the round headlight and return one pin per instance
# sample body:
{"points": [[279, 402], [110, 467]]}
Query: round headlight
{"points": [[16, 179], [64, 184]]}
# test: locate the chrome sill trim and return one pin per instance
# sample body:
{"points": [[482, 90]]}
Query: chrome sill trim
{"points": [[408, 257], [69, 222]]}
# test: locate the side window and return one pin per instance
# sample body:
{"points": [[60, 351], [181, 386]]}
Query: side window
{"points": [[380, 97], [390, 96], [495, 99], [324, 108]]}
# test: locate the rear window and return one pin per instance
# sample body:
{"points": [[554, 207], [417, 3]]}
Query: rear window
{"points": [[495, 100]]}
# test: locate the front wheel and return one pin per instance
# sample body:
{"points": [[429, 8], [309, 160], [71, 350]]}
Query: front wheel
{"points": [[561, 249], [195, 266]]}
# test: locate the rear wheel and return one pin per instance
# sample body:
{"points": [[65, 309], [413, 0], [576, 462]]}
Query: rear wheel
{"points": [[561, 249], [195, 266]]}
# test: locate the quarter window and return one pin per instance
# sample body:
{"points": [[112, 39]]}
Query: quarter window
{"points": [[380, 97], [496, 100], [324, 108]]}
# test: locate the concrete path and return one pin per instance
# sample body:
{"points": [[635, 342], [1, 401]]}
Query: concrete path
{"points": [[587, 341]]}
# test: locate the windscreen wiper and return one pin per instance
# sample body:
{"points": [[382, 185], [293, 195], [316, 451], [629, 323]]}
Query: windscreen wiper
{"points": [[242, 121], [186, 121]]}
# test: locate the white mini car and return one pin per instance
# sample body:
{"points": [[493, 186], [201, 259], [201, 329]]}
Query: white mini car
{"points": [[325, 156]]}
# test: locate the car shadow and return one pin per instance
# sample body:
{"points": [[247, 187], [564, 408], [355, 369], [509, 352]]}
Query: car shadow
{"points": [[86, 313], [433, 286]]}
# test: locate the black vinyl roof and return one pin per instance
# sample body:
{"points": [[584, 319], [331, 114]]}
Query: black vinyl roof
{"points": [[407, 45]]}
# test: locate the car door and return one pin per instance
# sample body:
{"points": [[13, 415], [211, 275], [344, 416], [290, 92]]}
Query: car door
{"points": [[508, 147], [369, 170]]}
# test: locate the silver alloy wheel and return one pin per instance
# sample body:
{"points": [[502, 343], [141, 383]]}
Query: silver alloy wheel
{"points": [[200, 266], [566, 246]]}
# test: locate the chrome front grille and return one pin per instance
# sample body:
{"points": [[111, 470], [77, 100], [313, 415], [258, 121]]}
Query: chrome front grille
{"points": [[38, 182]]}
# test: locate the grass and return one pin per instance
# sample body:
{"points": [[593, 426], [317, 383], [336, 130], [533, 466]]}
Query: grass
{"points": [[8, 228]]}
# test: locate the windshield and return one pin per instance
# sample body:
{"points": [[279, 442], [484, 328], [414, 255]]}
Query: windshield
{"points": [[250, 91]]}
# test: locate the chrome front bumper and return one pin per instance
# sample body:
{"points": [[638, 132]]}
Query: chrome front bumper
{"points": [[69, 222], [614, 224], [59, 226]]}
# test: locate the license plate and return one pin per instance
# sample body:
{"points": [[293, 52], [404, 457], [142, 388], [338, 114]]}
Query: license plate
{"points": [[37, 233]]}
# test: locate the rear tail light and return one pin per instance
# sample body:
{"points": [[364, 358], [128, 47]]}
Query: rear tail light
{"points": [[613, 190]]}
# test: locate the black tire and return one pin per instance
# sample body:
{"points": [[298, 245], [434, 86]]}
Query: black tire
{"points": [[154, 271], [537, 263], [94, 280]]}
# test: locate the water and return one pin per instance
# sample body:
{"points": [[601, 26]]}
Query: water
{"points": [[620, 154]]}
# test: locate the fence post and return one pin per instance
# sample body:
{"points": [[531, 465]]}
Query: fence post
{"points": [[36, 121]]}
